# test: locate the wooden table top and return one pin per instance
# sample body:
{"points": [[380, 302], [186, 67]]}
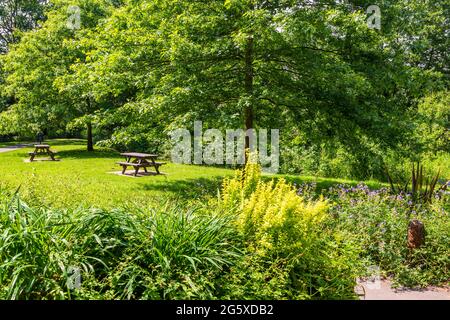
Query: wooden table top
{"points": [[41, 146], [139, 155]]}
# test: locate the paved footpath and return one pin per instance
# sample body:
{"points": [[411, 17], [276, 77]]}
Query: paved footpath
{"points": [[384, 291], [11, 148]]}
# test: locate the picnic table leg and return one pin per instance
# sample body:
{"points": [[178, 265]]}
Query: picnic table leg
{"points": [[32, 158], [124, 169], [139, 161], [155, 166], [143, 161]]}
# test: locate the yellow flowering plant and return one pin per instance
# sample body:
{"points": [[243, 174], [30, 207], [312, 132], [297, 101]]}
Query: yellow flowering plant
{"points": [[290, 252]]}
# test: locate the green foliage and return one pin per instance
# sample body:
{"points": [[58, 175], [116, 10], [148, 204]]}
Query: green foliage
{"points": [[290, 253], [35, 67], [178, 254], [17, 16], [129, 134], [422, 189], [348, 100], [317, 72], [434, 128], [379, 221], [262, 239], [165, 253], [169, 252]]}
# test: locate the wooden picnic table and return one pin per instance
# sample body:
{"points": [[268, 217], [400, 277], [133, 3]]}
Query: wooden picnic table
{"points": [[140, 160], [42, 149]]}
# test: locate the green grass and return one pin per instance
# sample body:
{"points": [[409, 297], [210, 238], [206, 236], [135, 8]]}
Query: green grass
{"points": [[85, 178]]}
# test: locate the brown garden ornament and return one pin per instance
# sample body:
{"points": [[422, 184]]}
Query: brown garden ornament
{"points": [[416, 234]]}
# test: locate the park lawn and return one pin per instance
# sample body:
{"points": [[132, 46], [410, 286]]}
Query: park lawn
{"points": [[84, 178]]}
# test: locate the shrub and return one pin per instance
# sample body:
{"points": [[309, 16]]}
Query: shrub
{"points": [[290, 254], [379, 220]]}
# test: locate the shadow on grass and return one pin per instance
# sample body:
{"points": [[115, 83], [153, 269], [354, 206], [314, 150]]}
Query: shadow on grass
{"points": [[65, 142], [326, 183], [201, 187], [187, 188], [84, 154], [52, 142]]}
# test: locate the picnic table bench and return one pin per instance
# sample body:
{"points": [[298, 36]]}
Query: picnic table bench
{"points": [[42, 149], [140, 160]]}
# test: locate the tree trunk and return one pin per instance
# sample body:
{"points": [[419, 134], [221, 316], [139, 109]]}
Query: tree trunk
{"points": [[90, 142], [249, 75]]}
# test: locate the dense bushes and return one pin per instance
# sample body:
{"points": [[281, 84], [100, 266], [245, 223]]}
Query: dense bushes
{"points": [[156, 254], [260, 240], [290, 254], [379, 220], [362, 162]]}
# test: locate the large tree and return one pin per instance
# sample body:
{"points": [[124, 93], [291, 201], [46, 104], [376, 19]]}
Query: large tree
{"points": [[16, 16], [313, 65], [35, 65], [311, 68]]}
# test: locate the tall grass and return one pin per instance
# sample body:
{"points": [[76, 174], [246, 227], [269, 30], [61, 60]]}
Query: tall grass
{"points": [[169, 252], [178, 253]]}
